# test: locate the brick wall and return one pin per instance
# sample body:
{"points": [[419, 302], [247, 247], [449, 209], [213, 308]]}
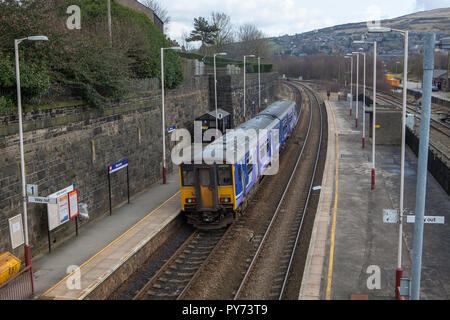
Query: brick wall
{"points": [[75, 145]]}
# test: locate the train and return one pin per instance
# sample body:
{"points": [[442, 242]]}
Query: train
{"points": [[214, 187]]}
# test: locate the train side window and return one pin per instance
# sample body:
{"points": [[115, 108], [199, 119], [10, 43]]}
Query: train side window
{"points": [[187, 177], [249, 164], [285, 125], [224, 176], [263, 149]]}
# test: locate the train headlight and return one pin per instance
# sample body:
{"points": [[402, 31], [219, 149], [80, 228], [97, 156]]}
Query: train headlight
{"points": [[191, 200], [225, 200]]}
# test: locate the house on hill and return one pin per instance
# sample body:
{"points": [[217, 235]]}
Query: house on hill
{"points": [[440, 79]]}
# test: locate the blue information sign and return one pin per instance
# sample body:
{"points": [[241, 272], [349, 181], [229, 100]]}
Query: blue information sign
{"points": [[117, 166], [172, 128]]}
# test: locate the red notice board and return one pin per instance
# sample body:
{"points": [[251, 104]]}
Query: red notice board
{"points": [[73, 204]]}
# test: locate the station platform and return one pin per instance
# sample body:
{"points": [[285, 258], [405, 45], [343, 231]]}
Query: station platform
{"points": [[350, 242], [105, 245]]}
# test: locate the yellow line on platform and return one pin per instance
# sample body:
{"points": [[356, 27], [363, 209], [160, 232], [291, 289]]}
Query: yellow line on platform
{"points": [[114, 241], [333, 226]]}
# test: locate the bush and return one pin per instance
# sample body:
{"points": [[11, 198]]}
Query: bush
{"points": [[34, 83], [81, 61]]}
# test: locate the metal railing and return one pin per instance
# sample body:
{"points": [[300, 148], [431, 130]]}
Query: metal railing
{"points": [[19, 287]]}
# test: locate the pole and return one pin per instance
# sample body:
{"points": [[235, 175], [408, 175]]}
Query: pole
{"points": [[109, 190], [128, 186], [163, 118], [402, 167], [22, 157], [259, 84], [351, 85], [357, 88], [215, 92], [109, 22], [244, 86], [364, 105], [372, 187], [428, 66]]}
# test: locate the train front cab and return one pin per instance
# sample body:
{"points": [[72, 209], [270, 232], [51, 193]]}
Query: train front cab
{"points": [[207, 194]]}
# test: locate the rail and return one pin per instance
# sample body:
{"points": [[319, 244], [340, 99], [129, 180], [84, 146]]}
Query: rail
{"points": [[277, 210], [19, 287]]}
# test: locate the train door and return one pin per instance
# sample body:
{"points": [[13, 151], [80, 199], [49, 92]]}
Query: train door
{"points": [[206, 188]]}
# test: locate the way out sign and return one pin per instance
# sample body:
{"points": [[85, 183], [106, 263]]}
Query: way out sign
{"points": [[427, 219]]}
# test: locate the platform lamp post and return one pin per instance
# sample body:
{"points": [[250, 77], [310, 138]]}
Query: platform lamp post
{"points": [[402, 169], [162, 111], [349, 55], [245, 72], [374, 112], [357, 53], [22, 157], [259, 83], [109, 22], [215, 84], [364, 96]]}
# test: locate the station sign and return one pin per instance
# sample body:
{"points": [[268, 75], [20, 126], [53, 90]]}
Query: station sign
{"points": [[118, 166], [43, 200], [73, 204], [32, 190], [427, 219], [58, 213]]}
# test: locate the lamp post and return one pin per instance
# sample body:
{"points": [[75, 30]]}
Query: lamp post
{"points": [[215, 84], [351, 81], [245, 71], [372, 185], [259, 83], [357, 86], [402, 169], [22, 157], [163, 115], [109, 22]]}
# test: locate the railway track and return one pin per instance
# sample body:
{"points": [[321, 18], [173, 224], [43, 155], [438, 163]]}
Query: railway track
{"points": [[175, 275], [286, 224], [211, 264], [439, 133]]}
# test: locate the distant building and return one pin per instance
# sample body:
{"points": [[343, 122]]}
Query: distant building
{"points": [[440, 79]]}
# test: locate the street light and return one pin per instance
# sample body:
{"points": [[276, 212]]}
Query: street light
{"points": [[163, 115], [372, 185], [259, 83], [215, 84], [357, 84], [351, 80], [109, 22], [22, 157], [364, 99], [402, 170], [245, 71]]}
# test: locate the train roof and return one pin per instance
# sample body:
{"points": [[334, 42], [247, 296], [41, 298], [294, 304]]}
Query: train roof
{"points": [[236, 140], [278, 109]]}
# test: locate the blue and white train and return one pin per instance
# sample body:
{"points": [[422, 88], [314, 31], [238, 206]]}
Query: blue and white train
{"points": [[216, 184]]}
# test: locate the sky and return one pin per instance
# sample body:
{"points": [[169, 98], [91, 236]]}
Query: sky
{"points": [[280, 17]]}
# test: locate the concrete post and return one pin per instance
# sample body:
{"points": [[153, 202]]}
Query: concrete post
{"points": [[428, 66]]}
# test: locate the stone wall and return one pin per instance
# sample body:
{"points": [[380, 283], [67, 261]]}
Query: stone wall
{"points": [[76, 144], [230, 94]]}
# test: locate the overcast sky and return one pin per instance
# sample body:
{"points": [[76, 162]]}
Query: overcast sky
{"points": [[279, 17]]}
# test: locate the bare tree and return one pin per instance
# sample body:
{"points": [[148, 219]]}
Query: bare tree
{"points": [[225, 33], [158, 9], [252, 41], [184, 43]]}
